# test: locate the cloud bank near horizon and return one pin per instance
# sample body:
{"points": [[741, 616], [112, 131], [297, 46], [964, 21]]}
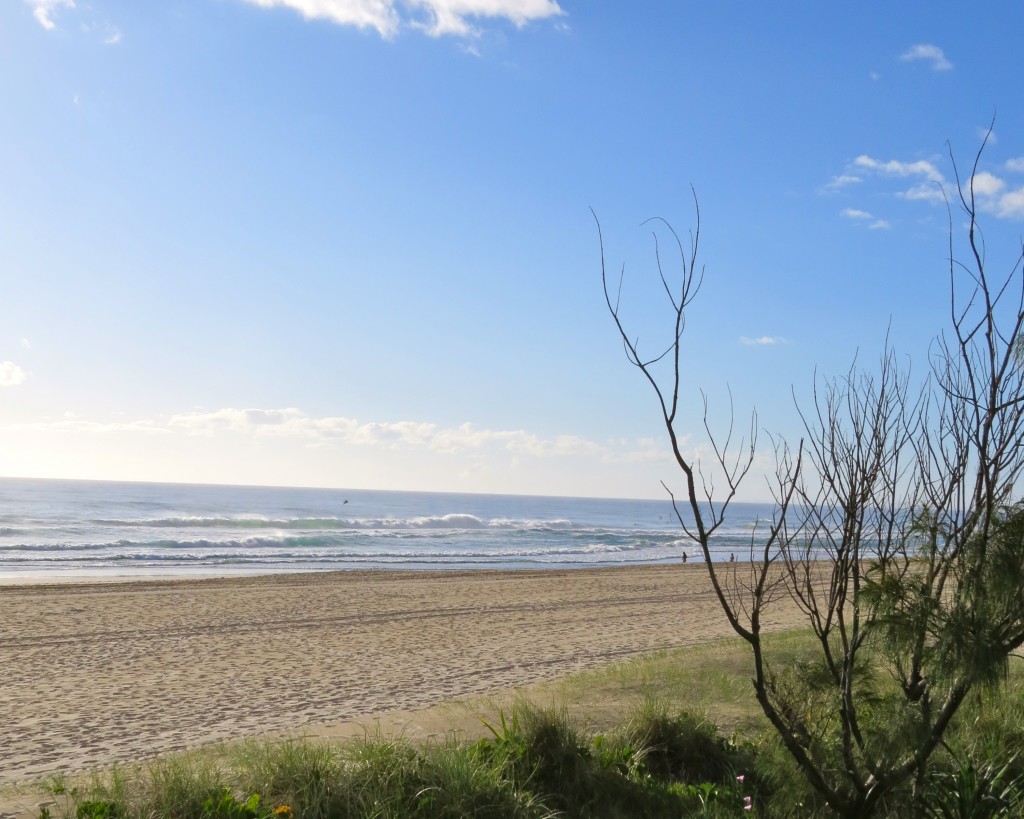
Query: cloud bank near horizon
{"points": [[334, 431]]}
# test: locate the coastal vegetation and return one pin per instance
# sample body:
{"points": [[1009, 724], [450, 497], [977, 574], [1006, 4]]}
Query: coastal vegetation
{"points": [[895, 531], [674, 734]]}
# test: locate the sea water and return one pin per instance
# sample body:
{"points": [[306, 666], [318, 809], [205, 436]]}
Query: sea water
{"points": [[51, 529]]}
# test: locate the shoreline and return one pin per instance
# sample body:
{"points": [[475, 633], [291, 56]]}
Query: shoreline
{"points": [[178, 574], [116, 671]]}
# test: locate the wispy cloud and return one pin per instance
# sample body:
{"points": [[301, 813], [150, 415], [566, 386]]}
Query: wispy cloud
{"points": [[930, 189], [929, 53], [924, 193], [895, 168], [43, 10], [865, 216], [337, 431], [450, 16], [839, 182], [992, 194], [986, 134], [11, 375], [293, 423], [25, 344], [763, 341], [435, 17]]}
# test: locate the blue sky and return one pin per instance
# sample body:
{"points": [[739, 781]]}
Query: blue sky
{"points": [[349, 242]]}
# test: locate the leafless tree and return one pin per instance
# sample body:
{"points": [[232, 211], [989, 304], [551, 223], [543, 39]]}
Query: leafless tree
{"points": [[894, 528]]}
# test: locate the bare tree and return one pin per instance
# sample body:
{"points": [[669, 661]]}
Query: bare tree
{"points": [[893, 529]]}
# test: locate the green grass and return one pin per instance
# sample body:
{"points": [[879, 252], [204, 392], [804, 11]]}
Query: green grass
{"points": [[712, 679]]}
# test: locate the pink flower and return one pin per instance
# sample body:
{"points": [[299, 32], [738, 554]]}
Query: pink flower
{"points": [[740, 778], [748, 803]]}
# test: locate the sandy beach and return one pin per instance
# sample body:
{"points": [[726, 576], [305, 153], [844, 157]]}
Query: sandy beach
{"points": [[103, 672]]}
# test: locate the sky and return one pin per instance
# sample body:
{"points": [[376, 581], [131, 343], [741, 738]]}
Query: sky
{"points": [[352, 243]]}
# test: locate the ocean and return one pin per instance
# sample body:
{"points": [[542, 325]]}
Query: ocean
{"points": [[52, 529]]}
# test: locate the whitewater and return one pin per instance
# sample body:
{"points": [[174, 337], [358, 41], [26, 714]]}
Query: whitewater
{"points": [[51, 529]]}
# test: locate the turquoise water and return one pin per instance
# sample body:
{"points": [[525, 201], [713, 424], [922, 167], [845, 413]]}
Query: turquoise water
{"points": [[65, 528]]}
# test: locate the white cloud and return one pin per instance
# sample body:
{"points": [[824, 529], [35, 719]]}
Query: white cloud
{"points": [[763, 341], [863, 215], [839, 182], [990, 191], [929, 190], [43, 9], [991, 195], [1009, 205], [25, 344], [931, 53], [450, 16], [11, 375], [113, 36], [375, 14], [985, 184], [923, 193], [435, 17], [895, 168]]}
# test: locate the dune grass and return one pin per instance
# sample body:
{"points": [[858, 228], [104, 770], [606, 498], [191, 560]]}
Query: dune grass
{"points": [[535, 763]]}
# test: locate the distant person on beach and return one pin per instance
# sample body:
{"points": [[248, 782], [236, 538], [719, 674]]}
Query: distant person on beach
{"points": [[732, 557], [684, 557]]}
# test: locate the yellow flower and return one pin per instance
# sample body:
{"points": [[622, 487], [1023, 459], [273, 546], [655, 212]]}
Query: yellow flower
{"points": [[284, 810]]}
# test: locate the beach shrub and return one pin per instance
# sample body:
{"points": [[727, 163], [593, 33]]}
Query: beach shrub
{"points": [[390, 778], [970, 791], [542, 751], [300, 774], [610, 775], [177, 786], [99, 810], [681, 747], [228, 806]]}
